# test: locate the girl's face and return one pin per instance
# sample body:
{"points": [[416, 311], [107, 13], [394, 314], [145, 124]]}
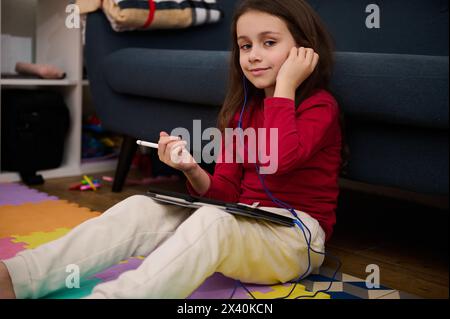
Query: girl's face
{"points": [[264, 43]]}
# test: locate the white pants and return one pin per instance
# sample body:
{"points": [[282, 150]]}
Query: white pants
{"points": [[183, 247]]}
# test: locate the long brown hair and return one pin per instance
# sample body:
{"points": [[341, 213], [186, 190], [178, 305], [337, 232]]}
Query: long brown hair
{"points": [[307, 30]]}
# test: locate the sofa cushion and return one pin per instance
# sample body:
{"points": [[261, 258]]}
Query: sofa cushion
{"points": [[393, 88], [177, 75], [128, 15]]}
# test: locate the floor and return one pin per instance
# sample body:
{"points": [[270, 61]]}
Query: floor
{"points": [[405, 235]]}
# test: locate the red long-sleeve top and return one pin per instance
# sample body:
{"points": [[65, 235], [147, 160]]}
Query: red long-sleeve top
{"points": [[309, 158]]}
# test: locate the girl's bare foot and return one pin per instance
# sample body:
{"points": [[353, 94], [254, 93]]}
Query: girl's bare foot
{"points": [[6, 287]]}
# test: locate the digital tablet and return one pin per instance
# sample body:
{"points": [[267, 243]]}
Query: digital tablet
{"points": [[186, 200]]}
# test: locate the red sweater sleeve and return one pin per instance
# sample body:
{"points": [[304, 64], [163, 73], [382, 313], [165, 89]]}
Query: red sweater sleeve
{"points": [[226, 181], [301, 133]]}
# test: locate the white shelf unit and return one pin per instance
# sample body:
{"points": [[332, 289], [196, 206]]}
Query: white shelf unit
{"points": [[27, 82], [61, 46]]}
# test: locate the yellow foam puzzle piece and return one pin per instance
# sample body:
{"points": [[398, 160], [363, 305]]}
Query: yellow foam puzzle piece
{"points": [[36, 239], [283, 290]]}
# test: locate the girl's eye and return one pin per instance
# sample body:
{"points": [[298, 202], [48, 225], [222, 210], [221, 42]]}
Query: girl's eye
{"points": [[268, 43]]}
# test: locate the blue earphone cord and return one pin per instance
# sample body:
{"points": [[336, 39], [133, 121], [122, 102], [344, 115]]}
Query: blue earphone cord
{"points": [[298, 222]]}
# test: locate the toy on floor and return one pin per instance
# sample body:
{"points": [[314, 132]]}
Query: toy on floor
{"points": [[145, 180], [96, 142], [88, 183]]}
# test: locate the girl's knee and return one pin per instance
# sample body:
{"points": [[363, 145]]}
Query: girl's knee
{"points": [[136, 207], [141, 202], [206, 217], [150, 212], [137, 200]]}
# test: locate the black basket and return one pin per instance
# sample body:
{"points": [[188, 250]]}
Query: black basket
{"points": [[34, 126]]}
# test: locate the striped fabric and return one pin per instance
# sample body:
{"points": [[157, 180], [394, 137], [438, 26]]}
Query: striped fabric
{"points": [[127, 15]]}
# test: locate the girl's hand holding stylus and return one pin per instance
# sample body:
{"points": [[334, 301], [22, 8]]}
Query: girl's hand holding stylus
{"points": [[172, 151], [299, 65]]}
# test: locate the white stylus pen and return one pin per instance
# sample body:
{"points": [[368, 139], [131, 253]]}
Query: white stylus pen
{"points": [[147, 144]]}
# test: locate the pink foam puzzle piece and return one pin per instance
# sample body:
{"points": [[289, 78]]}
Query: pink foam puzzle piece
{"points": [[8, 248]]}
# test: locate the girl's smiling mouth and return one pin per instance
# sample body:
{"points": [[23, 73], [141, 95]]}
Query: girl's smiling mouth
{"points": [[258, 71]]}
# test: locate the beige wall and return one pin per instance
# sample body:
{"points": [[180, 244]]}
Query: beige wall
{"points": [[18, 17]]}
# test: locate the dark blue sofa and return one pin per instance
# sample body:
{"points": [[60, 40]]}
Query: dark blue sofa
{"points": [[392, 84]]}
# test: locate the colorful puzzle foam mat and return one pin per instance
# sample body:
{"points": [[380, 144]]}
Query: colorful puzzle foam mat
{"points": [[29, 218]]}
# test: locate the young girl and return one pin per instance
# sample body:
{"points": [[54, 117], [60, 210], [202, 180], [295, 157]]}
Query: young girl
{"points": [[280, 69]]}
